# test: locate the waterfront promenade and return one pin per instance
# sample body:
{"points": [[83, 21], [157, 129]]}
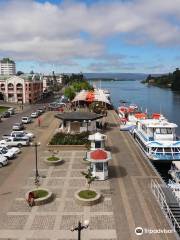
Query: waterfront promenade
{"points": [[128, 202], [133, 202]]}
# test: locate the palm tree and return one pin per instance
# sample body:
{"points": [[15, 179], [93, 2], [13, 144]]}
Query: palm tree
{"points": [[89, 177]]}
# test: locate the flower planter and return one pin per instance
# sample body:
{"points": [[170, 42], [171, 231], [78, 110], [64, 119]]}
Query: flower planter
{"points": [[56, 162], [87, 201], [40, 200]]}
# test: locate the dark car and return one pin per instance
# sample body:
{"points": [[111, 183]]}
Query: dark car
{"points": [[6, 115]]}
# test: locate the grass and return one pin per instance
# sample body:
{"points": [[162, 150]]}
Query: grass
{"points": [[87, 194], [3, 109], [40, 193], [52, 159]]}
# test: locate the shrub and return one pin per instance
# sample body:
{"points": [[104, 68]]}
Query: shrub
{"points": [[70, 139]]}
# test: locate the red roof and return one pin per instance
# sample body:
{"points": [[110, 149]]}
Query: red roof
{"points": [[98, 155]]}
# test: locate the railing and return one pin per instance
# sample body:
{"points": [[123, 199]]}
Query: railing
{"points": [[166, 155], [160, 197]]}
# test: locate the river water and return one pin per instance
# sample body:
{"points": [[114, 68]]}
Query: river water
{"points": [[152, 98]]}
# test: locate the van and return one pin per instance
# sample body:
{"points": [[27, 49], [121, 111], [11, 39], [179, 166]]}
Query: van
{"points": [[26, 120]]}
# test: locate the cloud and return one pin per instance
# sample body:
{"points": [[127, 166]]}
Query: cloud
{"points": [[70, 30]]}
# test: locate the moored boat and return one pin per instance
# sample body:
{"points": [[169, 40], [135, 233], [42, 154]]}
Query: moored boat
{"points": [[157, 138]]}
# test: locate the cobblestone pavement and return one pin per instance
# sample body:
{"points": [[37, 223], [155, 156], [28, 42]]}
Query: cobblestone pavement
{"points": [[54, 220]]}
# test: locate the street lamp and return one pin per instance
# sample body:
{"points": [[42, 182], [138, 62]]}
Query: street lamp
{"points": [[80, 227], [35, 145]]}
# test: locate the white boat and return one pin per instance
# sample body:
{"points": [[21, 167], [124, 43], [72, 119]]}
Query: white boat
{"points": [[157, 138], [128, 116]]}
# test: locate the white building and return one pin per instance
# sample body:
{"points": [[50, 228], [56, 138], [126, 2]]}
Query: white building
{"points": [[7, 67]]}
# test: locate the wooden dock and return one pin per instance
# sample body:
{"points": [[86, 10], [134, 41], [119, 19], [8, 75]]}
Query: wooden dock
{"points": [[131, 173]]}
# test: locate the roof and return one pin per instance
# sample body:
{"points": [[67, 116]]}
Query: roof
{"points": [[98, 155], [156, 123], [97, 136], [98, 95], [79, 116]]}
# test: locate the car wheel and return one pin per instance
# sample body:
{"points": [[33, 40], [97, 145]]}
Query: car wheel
{"points": [[1, 165], [19, 145]]}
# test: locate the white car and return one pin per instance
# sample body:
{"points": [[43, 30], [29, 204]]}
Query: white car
{"points": [[15, 141], [18, 126], [22, 133], [34, 114], [14, 150], [26, 120], [8, 154], [3, 161]]}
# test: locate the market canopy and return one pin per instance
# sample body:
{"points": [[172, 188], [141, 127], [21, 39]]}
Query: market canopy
{"points": [[79, 116]]}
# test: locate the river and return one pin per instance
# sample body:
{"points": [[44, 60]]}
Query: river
{"points": [[152, 98]]}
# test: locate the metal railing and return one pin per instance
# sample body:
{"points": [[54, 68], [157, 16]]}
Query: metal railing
{"points": [[160, 197]]}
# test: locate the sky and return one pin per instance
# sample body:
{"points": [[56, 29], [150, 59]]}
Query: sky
{"points": [[137, 36]]}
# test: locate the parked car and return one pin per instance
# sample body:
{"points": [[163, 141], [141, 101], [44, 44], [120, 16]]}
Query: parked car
{"points": [[34, 114], [18, 126], [11, 111], [3, 161], [7, 153], [30, 135], [15, 141], [41, 110], [6, 114], [26, 120], [15, 150]]}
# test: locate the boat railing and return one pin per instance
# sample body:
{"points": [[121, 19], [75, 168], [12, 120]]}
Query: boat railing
{"points": [[161, 199]]}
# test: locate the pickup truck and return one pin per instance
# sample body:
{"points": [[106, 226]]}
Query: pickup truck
{"points": [[19, 134], [15, 141]]}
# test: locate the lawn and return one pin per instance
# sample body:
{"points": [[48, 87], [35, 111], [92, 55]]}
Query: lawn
{"points": [[40, 193], [3, 109], [87, 194]]}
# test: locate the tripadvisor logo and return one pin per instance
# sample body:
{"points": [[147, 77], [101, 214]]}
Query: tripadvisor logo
{"points": [[139, 231]]}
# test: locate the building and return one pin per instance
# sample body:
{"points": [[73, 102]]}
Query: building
{"points": [[7, 67], [21, 89]]}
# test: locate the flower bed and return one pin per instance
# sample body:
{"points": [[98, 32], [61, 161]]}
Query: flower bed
{"points": [[70, 139], [41, 196], [87, 197], [52, 160]]}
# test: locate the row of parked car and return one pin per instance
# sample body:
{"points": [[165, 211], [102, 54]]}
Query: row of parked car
{"points": [[11, 143]]}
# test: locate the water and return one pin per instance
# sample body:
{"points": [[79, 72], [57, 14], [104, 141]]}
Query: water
{"points": [[154, 99]]}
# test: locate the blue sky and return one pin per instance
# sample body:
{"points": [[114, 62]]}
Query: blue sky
{"points": [[91, 35]]}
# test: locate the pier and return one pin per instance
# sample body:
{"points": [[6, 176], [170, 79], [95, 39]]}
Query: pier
{"points": [[131, 175]]}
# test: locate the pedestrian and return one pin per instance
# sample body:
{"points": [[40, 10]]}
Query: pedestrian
{"points": [[30, 199], [39, 121]]}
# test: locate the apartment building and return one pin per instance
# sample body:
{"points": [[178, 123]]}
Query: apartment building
{"points": [[21, 89], [7, 67]]}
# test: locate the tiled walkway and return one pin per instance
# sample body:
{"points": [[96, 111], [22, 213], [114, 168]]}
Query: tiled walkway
{"points": [[54, 220]]}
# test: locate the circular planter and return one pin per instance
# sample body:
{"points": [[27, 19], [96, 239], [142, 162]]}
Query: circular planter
{"points": [[57, 162], [89, 201], [40, 200]]}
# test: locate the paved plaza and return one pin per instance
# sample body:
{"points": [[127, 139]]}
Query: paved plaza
{"points": [[54, 220]]}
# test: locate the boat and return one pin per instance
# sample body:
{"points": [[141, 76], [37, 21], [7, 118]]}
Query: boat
{"points": [[157, 138], [128, 117]]}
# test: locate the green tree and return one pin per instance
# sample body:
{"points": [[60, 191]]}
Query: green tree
{"points": [[69, 93], [176, 80]]}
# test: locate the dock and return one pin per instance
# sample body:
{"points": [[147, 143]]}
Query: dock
{"points": [[131, 174]]}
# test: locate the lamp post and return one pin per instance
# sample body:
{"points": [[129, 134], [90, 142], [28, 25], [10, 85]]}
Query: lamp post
{"points": [[35, 145], [80, 227]]}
